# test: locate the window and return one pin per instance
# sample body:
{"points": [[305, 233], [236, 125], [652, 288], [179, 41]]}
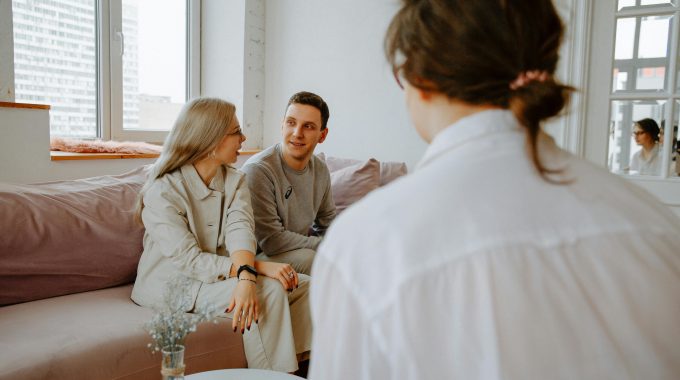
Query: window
{"points": [[633, 76], [109, 69], [637, 41], [644, 41]]}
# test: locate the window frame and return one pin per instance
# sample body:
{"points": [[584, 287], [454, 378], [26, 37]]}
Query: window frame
{"points": [[599, 95], [601, 86], [112, 42], [109, 95]]}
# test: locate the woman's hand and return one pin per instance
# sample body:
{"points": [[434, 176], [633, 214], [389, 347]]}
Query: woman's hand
{"points": [[278, 271], [244, 304]]}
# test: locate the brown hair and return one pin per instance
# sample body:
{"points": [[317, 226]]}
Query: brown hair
{"points": [[650, 127], [472, 50], [314, 100]]}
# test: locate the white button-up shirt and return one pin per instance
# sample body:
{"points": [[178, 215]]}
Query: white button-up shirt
{"points": [[474, 267]]}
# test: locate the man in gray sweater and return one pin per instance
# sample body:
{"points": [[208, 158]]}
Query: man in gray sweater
{"points": [[291, 187]]}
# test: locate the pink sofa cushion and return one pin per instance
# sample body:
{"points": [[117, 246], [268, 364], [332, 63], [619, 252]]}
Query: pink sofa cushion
{"points": [[352, 179], [390, 170], [353, 182], [68, 236]]}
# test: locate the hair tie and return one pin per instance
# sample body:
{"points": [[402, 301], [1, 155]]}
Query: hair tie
{"points": [[527, 77]]}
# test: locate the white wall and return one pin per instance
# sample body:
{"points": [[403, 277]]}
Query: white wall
{"points": [[232, 60], [334, 48], [6, 52], [25, 152], [222, 45]]}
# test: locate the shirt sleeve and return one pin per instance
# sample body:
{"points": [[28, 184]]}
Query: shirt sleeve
{"points": [[271, 235], [343, 341], [165, 218], [239, 225], [326, 212]]}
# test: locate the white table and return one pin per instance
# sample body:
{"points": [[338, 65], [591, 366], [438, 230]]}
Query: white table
{"points": [[241, 374]]}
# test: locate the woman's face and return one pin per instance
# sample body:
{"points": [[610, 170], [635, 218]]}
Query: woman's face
{"points": [[227, 150], [642, 138]]}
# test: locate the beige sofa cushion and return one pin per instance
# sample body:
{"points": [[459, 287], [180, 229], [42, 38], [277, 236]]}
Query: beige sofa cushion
{"points": [[68, 236], [100, 335]]}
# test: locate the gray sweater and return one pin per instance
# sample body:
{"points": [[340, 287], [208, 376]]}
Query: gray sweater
{"points": [[292, 208]]}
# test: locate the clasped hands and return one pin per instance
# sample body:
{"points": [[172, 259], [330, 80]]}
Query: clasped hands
{"points": [[244, 302]]}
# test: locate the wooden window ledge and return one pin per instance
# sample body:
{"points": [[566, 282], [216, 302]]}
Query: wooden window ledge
{"points": [[68, 156]]}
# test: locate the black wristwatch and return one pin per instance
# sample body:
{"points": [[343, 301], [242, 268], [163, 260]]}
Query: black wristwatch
{"points": [[247, 268]]}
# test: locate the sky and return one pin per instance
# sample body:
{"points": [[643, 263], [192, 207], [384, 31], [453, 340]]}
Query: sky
{"points": [[162, 43]]}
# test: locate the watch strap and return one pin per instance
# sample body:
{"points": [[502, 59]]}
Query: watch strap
{"points": [[248, 268]]}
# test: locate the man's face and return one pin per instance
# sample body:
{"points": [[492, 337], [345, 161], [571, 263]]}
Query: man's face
{"points": [[301, 131]]}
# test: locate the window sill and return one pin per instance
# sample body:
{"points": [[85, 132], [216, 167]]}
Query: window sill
{"points": [[24, 105], [68, 156]]}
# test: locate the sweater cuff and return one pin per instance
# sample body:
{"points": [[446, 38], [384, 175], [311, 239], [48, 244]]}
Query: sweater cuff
{"points": [[313, 242]]}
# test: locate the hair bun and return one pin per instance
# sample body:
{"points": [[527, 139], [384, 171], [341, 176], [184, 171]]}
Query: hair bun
{"points": [[535, 101]]}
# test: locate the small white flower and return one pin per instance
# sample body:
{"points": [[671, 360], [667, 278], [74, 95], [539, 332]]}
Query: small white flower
{"points": [[170, 325]]}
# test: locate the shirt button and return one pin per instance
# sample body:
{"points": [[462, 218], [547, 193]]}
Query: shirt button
{"points": [[221, 277]]}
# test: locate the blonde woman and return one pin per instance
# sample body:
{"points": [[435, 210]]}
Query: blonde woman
{"points": [[199, 224]]}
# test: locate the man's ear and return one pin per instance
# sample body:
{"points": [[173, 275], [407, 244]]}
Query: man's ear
{"points": [[324, 133]]}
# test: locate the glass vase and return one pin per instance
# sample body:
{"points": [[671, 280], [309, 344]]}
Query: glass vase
{"points": [[172, 367]]}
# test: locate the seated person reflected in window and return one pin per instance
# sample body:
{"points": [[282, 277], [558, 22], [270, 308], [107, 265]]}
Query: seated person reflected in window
{"points": [[646, 161], [674, 162]]}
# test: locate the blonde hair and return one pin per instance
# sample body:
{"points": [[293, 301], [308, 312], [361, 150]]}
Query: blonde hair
{"points": [[199, 128]]}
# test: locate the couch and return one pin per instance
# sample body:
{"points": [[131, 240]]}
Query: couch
{"points": [[68, 257]]}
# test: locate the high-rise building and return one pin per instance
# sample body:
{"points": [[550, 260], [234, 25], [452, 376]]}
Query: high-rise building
{"points": [[55, 62]]}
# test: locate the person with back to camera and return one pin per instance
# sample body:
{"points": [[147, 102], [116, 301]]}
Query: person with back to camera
{"points": [[291, 187], [647, 160], [547, 268], [199, 225]]}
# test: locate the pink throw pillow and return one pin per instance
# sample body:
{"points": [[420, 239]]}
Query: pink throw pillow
{"points": [[389, 171], [336, 163], [353, 182], [69, 236]]}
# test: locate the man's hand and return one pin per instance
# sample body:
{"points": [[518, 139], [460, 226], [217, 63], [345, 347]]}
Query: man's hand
{"points": [[278, 271]]}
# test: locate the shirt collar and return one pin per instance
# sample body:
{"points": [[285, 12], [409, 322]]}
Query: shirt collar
{"points": [[472, 127], [198, 188], [652, 154]]}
